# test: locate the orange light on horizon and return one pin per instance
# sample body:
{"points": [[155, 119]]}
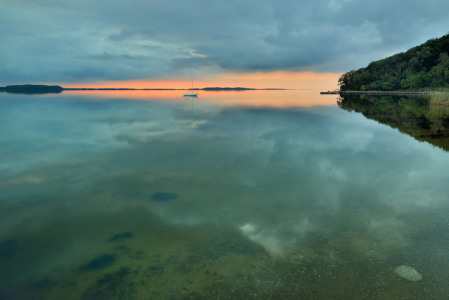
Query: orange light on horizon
{"points": [[288, 79], [257, 80], [303, 89]]}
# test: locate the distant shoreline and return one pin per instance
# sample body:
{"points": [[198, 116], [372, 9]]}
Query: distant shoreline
{"points": [[169, 89], [45, 89], [386, 93]]}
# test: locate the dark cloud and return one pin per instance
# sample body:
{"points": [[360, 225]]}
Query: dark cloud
{"points": [[52, 40]]}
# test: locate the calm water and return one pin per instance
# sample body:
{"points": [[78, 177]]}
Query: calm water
{"points": [[254, 195]]}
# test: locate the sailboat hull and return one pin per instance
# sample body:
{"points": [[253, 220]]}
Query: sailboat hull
{"points": [[193, 95]]}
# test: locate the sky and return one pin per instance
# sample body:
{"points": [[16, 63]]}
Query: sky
{"points": [[225, 43]]}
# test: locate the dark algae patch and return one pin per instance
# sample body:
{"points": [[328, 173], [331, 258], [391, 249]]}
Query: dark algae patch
{"points": [[100, 262], [115, 285], [163, 197], [121, 236], [7, 248]]}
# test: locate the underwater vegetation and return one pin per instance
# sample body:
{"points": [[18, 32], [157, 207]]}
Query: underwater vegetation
{"points": [[99, 262], [111, 286]]}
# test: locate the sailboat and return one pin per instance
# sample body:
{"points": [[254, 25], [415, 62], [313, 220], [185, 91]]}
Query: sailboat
{"points": [[191, 94]]}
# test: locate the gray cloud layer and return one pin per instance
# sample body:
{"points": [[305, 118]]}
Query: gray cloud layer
{"points": [[59, 41]]}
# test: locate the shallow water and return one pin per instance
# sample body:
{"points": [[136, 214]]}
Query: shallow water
{"points": [[250, 195]]}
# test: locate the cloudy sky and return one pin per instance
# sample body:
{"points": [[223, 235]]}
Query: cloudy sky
{"points": [[84, 42]]}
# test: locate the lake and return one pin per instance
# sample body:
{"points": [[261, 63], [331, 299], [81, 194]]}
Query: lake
{"points": [[234, 195]]}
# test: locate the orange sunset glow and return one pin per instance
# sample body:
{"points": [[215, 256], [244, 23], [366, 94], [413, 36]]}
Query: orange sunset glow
{"points": [[303, 89], [258, 98], [258, 80]]}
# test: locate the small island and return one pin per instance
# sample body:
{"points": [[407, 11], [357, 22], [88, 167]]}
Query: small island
{"points": [[32, 89], [226, 89]]}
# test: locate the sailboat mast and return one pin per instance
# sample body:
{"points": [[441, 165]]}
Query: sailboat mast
{"points": [[191, 94]]}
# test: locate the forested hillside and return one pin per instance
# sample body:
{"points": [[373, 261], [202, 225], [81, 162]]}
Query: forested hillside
{"points": [[424, 66]]}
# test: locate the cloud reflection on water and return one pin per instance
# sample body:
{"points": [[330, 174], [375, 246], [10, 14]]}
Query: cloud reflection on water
{"points": [[298, 182]]}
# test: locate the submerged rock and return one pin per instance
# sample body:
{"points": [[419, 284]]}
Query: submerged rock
{"points": [[408, 273]]}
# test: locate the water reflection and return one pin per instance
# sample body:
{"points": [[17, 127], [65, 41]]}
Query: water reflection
{"points": [[424, 118], [257, 98], [154, 199]]}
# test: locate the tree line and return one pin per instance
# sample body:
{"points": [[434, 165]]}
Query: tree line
{"points": [[424, 66], [423, 118]]}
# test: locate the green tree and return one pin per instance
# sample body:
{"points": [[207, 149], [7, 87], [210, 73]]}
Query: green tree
{"points": [[423, 66], [444, 60]]}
